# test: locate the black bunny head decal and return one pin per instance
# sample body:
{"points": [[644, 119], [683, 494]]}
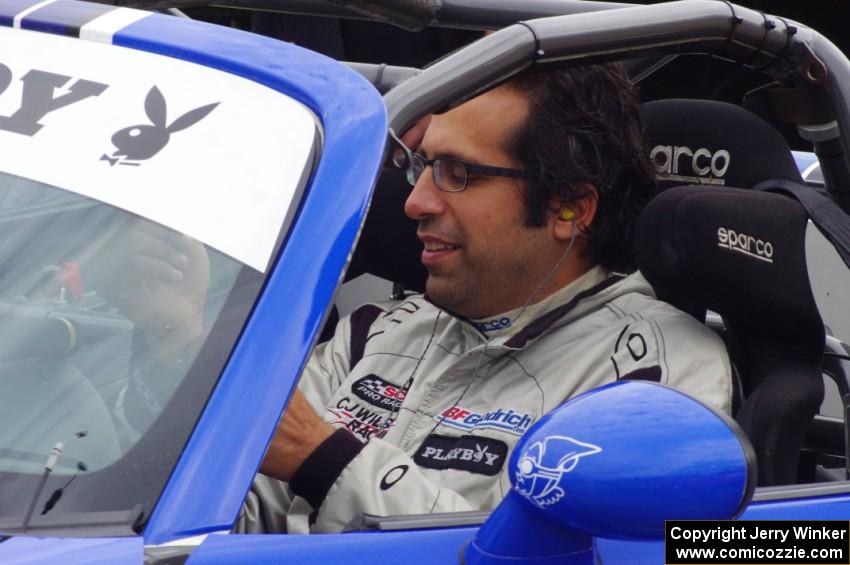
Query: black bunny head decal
{"points": [[141, 142]]}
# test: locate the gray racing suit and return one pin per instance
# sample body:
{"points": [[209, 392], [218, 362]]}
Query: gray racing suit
{"points": [[428, 405]]}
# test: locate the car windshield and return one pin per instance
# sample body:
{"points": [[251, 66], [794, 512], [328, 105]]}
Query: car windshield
{"points": [[98, 334], [84, 353], [130, 259], [113, 330]]}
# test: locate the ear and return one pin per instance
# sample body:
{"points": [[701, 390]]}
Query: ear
{"points": [[583, 212], [155, 107], [191, 118]]}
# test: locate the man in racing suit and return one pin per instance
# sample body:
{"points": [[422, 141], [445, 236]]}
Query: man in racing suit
{"points": [[526, 222]]}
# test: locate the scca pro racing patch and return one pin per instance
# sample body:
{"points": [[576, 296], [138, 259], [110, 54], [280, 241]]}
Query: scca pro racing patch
{"points": [[482, 455], [378, 392]]}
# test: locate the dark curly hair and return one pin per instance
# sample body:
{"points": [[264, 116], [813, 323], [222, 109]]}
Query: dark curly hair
{"points": [[584, 129]]}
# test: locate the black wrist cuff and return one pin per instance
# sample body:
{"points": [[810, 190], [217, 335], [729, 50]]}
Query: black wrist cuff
{"points": [[320, 470]]}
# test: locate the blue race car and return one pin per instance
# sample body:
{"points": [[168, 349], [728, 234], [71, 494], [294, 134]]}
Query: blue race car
{"points": [[142, 147]]}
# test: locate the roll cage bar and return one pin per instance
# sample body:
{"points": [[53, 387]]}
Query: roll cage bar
{"points": [[542, 33], [784, 50], [412, 15]]}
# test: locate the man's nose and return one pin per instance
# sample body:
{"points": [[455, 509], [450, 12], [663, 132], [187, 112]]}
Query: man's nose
{"points": [[425, 199]]}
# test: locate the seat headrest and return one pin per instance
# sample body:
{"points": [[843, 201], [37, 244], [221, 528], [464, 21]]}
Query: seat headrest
{"points": [[738, 252], [710, 142], [388, 246]]}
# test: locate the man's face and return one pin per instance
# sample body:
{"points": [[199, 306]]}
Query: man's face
{"points": [[481, 258]]}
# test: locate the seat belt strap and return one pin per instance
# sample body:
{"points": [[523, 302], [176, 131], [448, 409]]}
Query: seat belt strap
{"points": [[831, 220]]}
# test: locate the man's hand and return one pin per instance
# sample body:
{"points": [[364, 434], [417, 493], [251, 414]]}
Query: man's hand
{"points": [[158, 279], [299, 432]]}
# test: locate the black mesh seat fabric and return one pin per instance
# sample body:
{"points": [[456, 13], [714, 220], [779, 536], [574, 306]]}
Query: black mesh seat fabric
{"points": [[741, 253]]}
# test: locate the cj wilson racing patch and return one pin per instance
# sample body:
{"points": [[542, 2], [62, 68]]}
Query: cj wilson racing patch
{"points": [[482, 455], [360, 419]]}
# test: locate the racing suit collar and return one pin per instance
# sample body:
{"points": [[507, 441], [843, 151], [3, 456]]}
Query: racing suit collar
{"points": [[590, 292], [507, 324]]}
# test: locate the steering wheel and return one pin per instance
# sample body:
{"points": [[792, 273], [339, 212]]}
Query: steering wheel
{"points": [[44, 399]]}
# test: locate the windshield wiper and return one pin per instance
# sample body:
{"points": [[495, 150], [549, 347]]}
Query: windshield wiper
{"points": [[57, 494], [49, 465]]}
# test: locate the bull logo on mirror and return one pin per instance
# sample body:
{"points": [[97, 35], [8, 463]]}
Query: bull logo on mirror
{"points": [[541, 468]]}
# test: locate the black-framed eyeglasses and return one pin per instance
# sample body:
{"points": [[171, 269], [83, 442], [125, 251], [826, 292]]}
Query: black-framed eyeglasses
{"points": [[450, 175]]}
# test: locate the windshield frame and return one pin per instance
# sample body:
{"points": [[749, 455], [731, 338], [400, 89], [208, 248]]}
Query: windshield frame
{"points": [[214, 470]]}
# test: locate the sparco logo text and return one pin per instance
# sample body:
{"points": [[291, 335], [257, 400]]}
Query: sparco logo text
{"points": [[684, 164], [744, 243]]}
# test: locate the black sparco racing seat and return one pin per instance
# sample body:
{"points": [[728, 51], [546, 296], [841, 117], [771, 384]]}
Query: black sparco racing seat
{"points": [[742, 253], [713, 143]]}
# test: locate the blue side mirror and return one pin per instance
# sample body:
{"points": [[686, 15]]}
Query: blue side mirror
{"points": [[616, 462]]}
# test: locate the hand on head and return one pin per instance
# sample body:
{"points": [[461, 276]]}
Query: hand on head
{"points": [[412, 138], [158, 279]]}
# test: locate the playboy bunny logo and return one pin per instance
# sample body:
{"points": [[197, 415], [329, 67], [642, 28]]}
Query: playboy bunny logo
{"points": [[143, 141]]}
